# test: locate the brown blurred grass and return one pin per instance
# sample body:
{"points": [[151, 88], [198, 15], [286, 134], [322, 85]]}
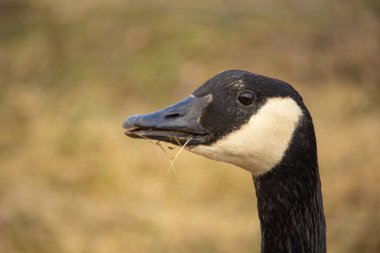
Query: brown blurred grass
{"points": [[71, 71]]}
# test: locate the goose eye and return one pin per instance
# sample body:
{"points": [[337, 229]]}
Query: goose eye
{"points": [[246, 97]]}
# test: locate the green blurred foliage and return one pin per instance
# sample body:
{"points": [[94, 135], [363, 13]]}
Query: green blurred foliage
{"points": [[70, 71]]}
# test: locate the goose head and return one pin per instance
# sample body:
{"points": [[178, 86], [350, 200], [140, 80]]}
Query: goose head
{"points": [[261, 125], [236, 117]]}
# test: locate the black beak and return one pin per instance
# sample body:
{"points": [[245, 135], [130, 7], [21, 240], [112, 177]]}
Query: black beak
{"points": [[177, 124]]}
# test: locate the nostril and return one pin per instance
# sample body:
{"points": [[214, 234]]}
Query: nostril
{"points": [[172, 116]]}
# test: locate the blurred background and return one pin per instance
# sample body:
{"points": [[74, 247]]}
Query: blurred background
{"points": [[71, 71]]}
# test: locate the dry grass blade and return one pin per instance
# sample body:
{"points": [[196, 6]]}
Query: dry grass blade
{"points": [[171, 159], [154, 143], [179, 151]]}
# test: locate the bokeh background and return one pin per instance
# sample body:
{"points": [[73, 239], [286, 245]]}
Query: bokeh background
{"points": [[71, 71]]}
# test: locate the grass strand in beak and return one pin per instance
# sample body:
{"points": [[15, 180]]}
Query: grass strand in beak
{"points": [[172, 160]]}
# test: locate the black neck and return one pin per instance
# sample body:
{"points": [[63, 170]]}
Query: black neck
{"points": [[289, 200]]}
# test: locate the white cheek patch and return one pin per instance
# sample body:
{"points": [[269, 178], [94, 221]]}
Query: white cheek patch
{"points": [[260, 144]]}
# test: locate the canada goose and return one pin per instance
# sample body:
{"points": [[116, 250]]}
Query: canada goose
{"points": [[261, 125]]}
